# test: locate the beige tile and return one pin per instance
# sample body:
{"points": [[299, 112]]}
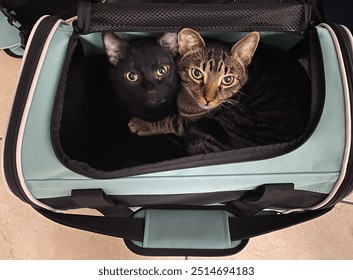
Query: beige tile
{"points": [[24, 234], [329, 237], [9, 68], [349, 197]]}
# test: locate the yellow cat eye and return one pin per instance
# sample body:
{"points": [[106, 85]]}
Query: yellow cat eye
{"points": [[197, 74], [132, 76], [227, 80], [162, 71]]}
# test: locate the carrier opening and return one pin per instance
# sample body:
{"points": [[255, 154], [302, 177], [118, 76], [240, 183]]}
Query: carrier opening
{"points": [[91, 123]]}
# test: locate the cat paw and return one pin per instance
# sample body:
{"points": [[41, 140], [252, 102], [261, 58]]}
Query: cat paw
{"points": [[141, 127]]}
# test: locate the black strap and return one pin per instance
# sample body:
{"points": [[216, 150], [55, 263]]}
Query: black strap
{"points": [[246, 227], [129, 228], [97, 199], [264, 196], [133, 228]]}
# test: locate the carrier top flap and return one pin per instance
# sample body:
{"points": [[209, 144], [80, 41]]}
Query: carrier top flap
{"points": [[243, 15]]}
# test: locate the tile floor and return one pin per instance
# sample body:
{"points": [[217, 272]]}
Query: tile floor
{"points": [[24, 234]]}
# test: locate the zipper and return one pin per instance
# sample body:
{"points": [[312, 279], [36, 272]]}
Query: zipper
{"points": [[344, 185], [30, 65], [347, 52]]}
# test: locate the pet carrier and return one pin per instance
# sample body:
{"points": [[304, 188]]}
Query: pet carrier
{"points": [[202, 205]]}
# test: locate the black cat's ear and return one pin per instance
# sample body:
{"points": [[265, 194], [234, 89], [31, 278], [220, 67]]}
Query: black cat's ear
{"points": [[169, 41], [188, 40], [244, 49], [115, 47]]}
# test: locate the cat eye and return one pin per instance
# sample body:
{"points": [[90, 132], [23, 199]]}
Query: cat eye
{"points": [[227, 80], [131, 76], [162, 71], [197, 74]]}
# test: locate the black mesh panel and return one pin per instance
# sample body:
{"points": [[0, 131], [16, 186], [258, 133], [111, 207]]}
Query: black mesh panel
{"points": [[250, 15]]}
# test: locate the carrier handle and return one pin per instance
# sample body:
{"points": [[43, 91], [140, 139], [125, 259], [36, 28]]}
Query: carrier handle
{"points": [[241, 16], [133, 228]]}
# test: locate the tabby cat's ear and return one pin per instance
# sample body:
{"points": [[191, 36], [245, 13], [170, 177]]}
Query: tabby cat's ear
{"points": [[115, 47], [169, 41], [245, 48], [188, 40]]}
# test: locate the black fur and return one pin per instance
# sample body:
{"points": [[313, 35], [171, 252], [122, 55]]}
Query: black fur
{"points": [[143, 57], [95, 114]]}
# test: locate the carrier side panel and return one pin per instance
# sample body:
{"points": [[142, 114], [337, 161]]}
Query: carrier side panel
{"points": [[307, 167]]}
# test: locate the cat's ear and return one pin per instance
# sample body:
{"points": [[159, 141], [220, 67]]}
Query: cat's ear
{"points": [[169, 41], [188, 40], [246, 47], [115, 47]]}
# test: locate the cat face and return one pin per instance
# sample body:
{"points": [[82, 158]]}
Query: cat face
{"points": [[213, 74], [144, 74]]}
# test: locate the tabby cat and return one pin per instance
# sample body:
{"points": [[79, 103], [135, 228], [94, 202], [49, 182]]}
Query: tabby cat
{"points": [[248, 95]]}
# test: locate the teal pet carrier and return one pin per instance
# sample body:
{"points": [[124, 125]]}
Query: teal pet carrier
{"points": [[202, 205]]}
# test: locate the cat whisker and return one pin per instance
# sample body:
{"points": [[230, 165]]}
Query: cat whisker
{"points": [[240, 92], [236, 104], [221, 109], [229, 109]]}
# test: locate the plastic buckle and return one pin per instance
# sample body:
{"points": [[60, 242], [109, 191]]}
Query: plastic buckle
{"points": [[11, 18], [24, 34]]}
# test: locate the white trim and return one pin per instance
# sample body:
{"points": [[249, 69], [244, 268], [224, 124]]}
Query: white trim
{"points": [[350, 36], [26, 112], [11, 46], [348, 125], [70, 20], [348, 33], [24, 119], [13, 101]]}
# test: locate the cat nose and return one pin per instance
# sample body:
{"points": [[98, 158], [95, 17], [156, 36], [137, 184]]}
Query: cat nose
{"points": [[208, 99], [210, 92]]}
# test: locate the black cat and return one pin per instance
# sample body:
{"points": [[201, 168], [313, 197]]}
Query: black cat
{"points": [[144, 74], [101, 97]]}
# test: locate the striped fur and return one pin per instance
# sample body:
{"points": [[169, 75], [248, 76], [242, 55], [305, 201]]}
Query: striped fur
{"points": [[268, 101]]}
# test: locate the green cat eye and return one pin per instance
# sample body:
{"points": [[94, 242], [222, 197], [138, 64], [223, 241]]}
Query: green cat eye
{"points": [[131, 76], [227, 80], [162, 71], [197, 74]]}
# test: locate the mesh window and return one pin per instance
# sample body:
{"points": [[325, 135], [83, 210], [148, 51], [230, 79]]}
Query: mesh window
{"points": [[271, 15]]}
